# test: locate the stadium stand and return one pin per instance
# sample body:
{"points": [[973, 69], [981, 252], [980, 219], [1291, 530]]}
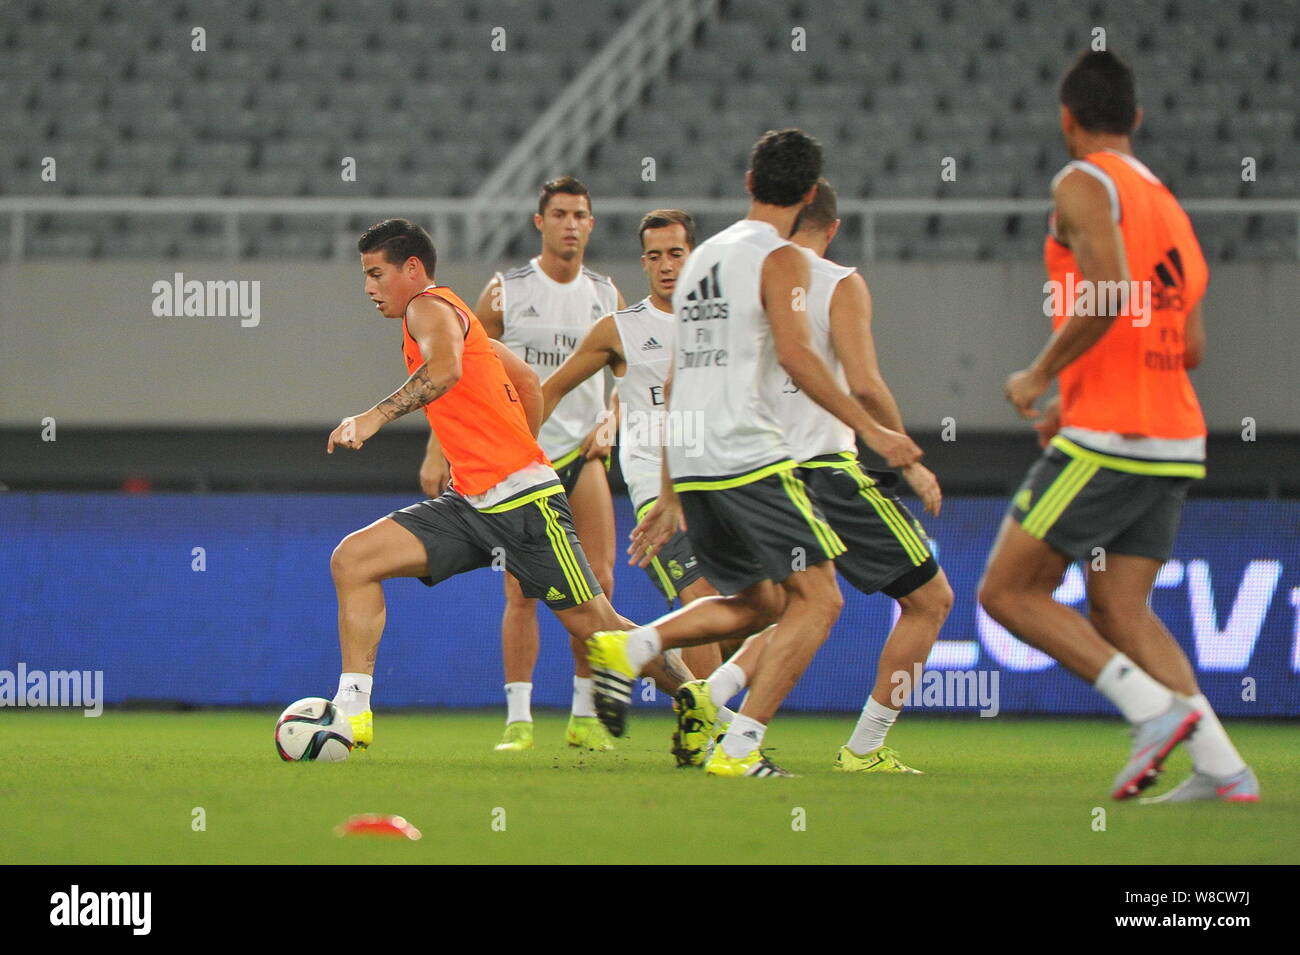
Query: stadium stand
{"points": [[286, 89]]}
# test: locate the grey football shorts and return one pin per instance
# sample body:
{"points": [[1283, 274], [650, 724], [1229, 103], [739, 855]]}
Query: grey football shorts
{"points": [[761, 525], [887, 547], [530, 536], [674, 567], [1076, 499]]}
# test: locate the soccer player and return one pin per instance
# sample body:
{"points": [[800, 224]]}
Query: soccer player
{"points": [[504, 497], [886, 545], [635, 343], [1125, 439], [756, 534], [540, 311]]}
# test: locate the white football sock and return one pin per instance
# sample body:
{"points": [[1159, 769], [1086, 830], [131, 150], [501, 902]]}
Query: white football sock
{"points": [[724, 716], [1211, 750], [1129, 687], [744, 736], [584, 699], [725, 682], [643, 645], [873, 724], [353, 696], [519, 702]]}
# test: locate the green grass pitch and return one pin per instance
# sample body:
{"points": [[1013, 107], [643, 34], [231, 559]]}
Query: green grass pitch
{"points": [[123, 789]]}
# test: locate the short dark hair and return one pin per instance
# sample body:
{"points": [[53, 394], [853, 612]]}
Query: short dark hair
{"points": [[1100, 92], [398, 240], [565, 184], [822, 211], [658, 218], [785, 164]]}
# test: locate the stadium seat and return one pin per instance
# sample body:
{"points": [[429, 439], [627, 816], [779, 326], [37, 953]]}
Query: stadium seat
{"points": [[284, 90]]}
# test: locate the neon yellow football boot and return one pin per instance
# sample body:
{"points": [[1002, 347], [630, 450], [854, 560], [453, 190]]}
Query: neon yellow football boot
{"points": [[363, 729], [755, 764], [517, 737], [587, 732], [882, 759], [695, 711], [612, 678]]}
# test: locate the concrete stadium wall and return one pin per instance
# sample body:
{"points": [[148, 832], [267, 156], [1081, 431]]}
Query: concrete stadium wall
{"points": [[79, 342]]}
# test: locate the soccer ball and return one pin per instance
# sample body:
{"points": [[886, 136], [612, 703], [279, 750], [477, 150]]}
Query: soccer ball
{"points": [[313, 729]]}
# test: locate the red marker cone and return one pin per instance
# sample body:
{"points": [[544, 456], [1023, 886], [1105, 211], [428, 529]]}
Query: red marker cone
{"points": [[377, 824]]}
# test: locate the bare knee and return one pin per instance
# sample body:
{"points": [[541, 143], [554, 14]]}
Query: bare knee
{"points": [[821, 596], [829, 605], [931, 602], [763, 604], [515, 598], [346, 563], [1111, 617], [996, 599], [582, 621]]}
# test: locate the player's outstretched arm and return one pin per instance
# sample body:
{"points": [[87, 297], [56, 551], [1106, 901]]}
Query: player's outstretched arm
{"points": [[528, 387], [490, 308], [1085, 224], [786, 278], [601, 346], [855, 347], [438, 330]]}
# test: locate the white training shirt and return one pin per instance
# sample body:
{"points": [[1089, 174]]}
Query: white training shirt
{"points": [[811, 430], [646, 334], [725, 373], [543, 321]]}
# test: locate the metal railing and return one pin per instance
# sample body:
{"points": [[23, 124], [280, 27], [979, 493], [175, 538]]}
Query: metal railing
{"points": [[585, 111], [455, 224]]}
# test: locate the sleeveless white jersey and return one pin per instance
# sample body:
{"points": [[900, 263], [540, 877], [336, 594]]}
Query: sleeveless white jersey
{"points": [[543, 321], [725, 373], [646, 334], [809, 428]]}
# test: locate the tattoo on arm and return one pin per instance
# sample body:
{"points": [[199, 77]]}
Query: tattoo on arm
{"points": [[418, 391]]}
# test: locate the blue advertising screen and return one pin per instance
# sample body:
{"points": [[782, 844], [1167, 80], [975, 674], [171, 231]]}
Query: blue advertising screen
{"points": [[227, 599]]}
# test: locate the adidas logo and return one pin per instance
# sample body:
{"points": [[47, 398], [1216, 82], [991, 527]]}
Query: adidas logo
{"points": [[530, 312], [650, 345], [1167, 289], [554, 594], [709, 287], [705, 301]]}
